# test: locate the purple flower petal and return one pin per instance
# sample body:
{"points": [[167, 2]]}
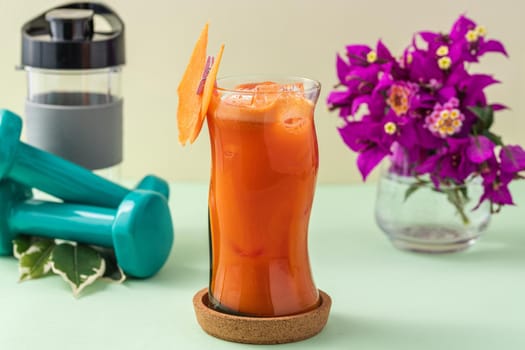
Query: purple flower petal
{"points": [[358, 101], [473, 87], [498, 194], [377, 105], [369, 159], [478, 82], [480, 149], [498, 107], [456, 50], [512, 159], [338, 97], [342, 69], [384, 83], [446, 93], [457, 75], [357, 54], [461, 27], [492, 46], [344, 112], [428, 166], [424, 67], [382, 52], [360, 135], [429, 37]]}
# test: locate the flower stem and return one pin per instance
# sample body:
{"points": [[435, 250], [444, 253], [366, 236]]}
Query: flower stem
{"points": [[455, 197]]}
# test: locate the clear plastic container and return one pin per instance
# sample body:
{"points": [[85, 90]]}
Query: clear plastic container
{"points": [[73, 66], [73, 87]]}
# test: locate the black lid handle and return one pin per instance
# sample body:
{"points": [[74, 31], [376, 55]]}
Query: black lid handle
{"points": [[71, 24]]}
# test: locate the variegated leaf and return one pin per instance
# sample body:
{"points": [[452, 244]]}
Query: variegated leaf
{"points": [[79, 265]]}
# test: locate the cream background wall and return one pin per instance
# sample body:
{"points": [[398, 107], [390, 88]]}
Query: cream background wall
{"points": [[291, 37]]}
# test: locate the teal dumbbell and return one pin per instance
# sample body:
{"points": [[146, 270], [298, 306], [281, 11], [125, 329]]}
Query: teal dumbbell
{"points": [[56, 176], [140, 230]]}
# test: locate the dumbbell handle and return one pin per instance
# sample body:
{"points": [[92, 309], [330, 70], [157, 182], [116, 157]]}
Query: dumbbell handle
{"points": [[63, 179], [73, 222]]}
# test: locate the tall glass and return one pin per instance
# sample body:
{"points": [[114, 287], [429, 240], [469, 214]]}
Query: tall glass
{"points": [[264, 168]]}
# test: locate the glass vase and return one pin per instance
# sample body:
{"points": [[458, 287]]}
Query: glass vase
{"points": [[264, 168], [419, 216]]}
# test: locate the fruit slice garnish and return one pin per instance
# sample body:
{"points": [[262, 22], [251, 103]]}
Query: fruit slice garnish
{"points": [[209, 85], [195, 89]]}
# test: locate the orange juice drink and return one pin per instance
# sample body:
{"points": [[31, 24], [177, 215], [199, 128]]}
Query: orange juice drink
{"points": [[264, 168]]}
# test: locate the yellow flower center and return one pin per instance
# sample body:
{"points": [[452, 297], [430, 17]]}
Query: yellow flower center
{"points": [[371, 57], [472, 36], [481, 30], [409, 58], [398, 99], [442, 50], [449, 122], [390, 128], [444, 115], [444, 62]]}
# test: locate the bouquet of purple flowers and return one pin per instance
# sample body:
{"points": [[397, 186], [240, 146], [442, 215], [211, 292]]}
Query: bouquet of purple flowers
{"points": [[427, 112]]}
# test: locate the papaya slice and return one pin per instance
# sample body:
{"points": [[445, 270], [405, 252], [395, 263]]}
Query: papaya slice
{"points": [[207, 92], [195, 90]]}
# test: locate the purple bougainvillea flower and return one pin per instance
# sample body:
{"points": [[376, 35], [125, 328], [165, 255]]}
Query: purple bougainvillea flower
{"points": [[426, 110], [408, 136], [480, 149], [512, 159], [385, 81], [450, 163], [492, 46], [495, 186], [369, 159], [383, 53], [461, 27], [455, 164], [424, 67], [364, 79], [430, 37], [357, 54], [361, 135], [372, 140], [446, 93], [472, 87], [342, 69], [336, 98], [498, 107], [457, 74], [497, 193]]}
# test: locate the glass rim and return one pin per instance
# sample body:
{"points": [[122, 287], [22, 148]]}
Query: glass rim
{"points": [[311, 85]]}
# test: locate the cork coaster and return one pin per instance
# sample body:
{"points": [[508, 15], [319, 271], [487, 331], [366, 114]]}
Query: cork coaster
{"points": [[261, 330]]}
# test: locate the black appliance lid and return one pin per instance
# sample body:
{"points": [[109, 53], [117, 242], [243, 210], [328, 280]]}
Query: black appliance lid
{"points": [[65, 37]]}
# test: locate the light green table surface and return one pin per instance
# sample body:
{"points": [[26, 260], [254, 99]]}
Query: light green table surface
{"points": [[382, 298]]}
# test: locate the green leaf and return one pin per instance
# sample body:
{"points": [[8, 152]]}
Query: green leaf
{"points": [[35, 262], [79, 265], [113, 271], [485, 115], [20, 245], [454, 196], [413, 188], [464, 193]]}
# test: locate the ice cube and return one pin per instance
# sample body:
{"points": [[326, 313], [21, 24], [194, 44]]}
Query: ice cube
{"points": [[265, 94]]}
